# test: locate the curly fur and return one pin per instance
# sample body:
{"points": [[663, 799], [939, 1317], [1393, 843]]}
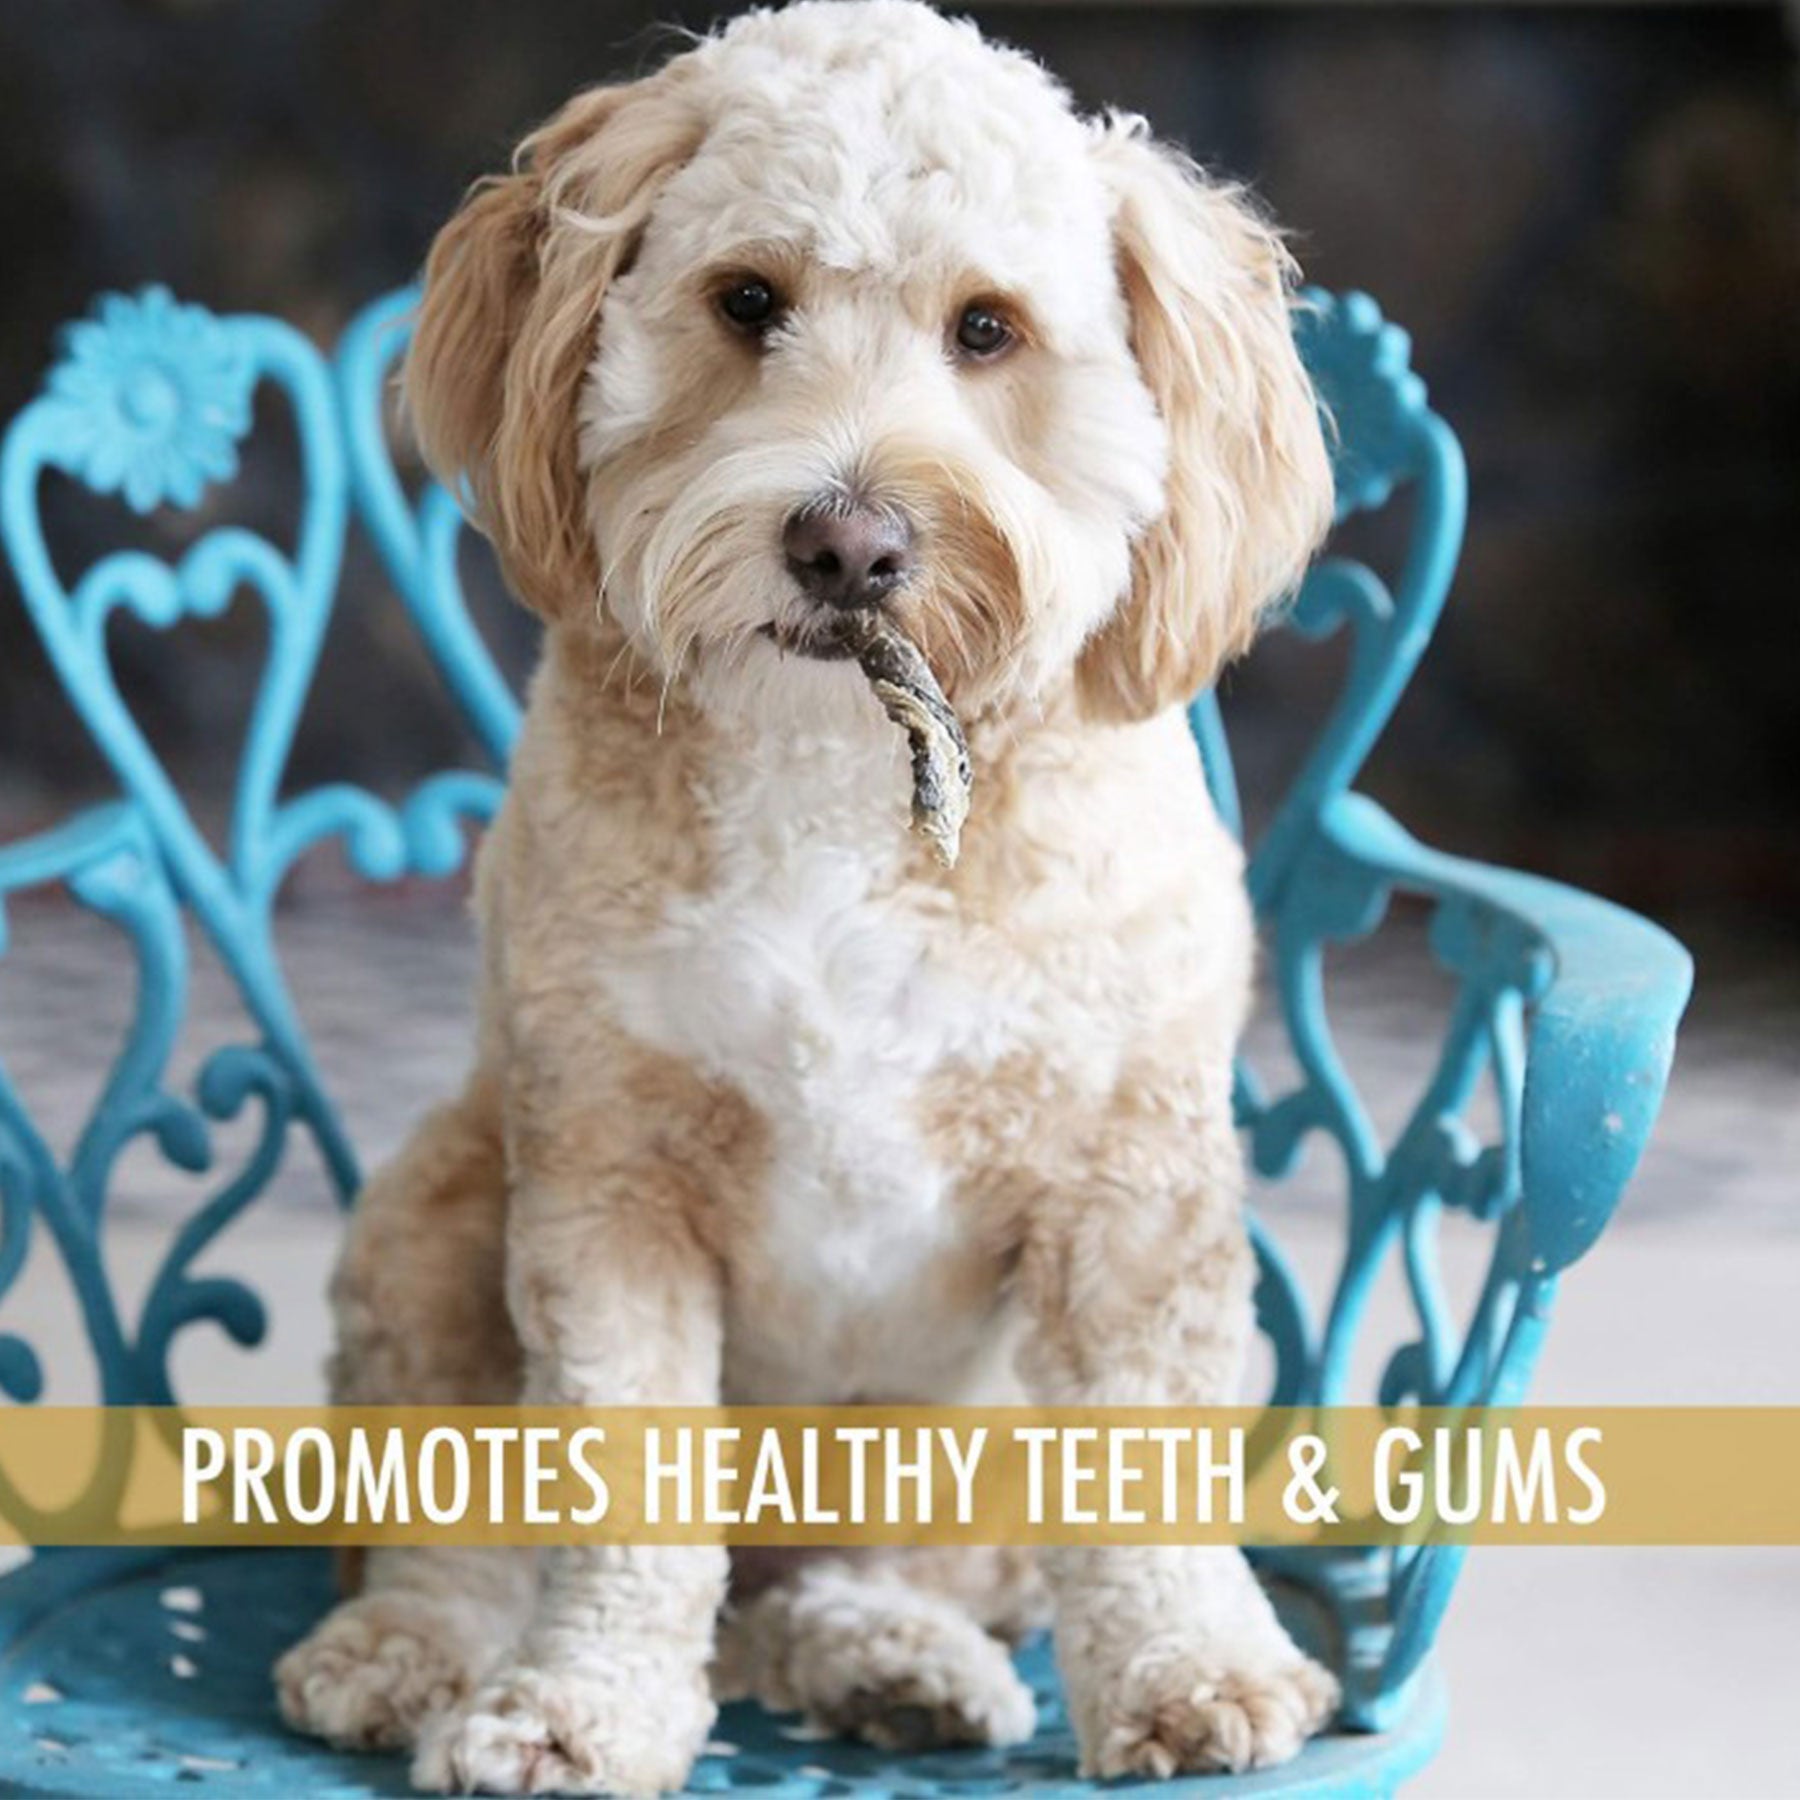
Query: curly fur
{"points": [[766, 1106]]}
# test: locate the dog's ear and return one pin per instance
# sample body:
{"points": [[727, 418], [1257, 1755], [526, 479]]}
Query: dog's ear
{"points": [[507, 326], [1207, 281]]}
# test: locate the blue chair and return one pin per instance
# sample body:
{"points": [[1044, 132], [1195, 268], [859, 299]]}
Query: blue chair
{"points": [[1565, 1005]]}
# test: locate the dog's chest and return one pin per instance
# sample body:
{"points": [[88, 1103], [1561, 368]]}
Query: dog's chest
{"points": [[805, 976]]}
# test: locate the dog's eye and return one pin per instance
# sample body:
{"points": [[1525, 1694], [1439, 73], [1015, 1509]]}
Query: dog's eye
{"points": [[751, 304], [981, 332]]}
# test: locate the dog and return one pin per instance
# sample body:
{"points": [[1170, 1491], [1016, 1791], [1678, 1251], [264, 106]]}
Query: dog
{"points": [[843, 307]]}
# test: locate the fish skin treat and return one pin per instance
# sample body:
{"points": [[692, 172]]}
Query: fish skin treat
{"points": [[902, 681]]}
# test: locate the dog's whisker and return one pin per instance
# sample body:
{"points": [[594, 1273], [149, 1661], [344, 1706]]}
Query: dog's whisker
{"points": [[612, 668]]}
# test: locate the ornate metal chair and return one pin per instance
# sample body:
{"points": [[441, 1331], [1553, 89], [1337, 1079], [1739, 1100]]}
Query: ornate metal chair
{"points": [[110, 1682]]}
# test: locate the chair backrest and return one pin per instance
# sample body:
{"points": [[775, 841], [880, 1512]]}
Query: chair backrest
{"points": [[151, 400]]}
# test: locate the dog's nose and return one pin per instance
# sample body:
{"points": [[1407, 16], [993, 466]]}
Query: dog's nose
{"points": [[848, 556]]}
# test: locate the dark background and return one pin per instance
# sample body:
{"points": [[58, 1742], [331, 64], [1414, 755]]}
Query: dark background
{"points": [[1585, 215]]}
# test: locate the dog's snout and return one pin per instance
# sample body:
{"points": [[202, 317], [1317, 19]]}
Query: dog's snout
{"points": [[848, 556]]}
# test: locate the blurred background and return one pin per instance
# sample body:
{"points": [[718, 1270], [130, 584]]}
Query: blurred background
{"points": [[1584, 213]]}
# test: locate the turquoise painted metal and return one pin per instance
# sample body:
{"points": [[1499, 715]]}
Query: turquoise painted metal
{"points": [[150, 401], [1566, 1010], [417, 540], [132, 1717]]}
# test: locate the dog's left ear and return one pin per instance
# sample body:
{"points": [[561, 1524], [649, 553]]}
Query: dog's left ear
{"points": [[1248, 493]]}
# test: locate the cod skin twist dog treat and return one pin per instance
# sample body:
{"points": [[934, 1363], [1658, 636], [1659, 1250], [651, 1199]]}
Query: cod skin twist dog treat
{"points": [[902, 681]]}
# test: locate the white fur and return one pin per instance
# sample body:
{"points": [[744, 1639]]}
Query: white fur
{"points": [[802, 978], [889, 151]]}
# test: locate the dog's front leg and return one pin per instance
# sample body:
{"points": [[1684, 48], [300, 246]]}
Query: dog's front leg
{"points": [[615, 1303], [1137, 1283]]}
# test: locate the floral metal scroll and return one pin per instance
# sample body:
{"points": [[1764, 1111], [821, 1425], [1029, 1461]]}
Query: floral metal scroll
{"points": [[1525, 957], [151, 402]]}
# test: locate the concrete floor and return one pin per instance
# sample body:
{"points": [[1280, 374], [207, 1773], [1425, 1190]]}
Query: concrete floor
{"points": [[1574, 1675]]}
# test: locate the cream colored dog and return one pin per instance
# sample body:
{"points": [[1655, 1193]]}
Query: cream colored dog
{"points": [[842, 307]]}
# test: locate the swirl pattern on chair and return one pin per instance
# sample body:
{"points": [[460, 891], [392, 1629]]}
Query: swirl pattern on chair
{"points": [[1324, 874], [418, 541], [151, 400], [108, 860]]}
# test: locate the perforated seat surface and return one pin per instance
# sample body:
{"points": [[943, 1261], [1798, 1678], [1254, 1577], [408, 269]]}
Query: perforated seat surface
{"points": [[121, 1676]]}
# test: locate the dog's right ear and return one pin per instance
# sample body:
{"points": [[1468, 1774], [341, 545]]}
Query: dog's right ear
{"points": [[511, 311]]}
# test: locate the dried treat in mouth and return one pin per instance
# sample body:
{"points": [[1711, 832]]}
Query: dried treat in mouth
{"points": [[909, 694]]}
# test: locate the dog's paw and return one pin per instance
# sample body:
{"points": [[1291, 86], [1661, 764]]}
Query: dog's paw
{"points": [[604, 1730], [371, 1673], [913, 1685], [882, 1661], [1177, 1708]]}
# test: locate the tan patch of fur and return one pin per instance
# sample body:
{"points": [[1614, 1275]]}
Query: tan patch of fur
{"points": [[970, 616], [643, 479], [417, 1294], [1115, 1183], [513, 292], [1000, 1586], [1249, 483], [864, 1649]]}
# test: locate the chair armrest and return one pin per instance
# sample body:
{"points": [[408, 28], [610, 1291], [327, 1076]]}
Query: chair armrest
{"points": [[1573, 1003], [1603, 1005]]}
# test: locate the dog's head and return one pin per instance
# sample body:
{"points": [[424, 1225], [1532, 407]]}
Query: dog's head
{"points": [[845, 307]]}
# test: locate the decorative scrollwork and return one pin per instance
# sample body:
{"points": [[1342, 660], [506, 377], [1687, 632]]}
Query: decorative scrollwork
{"points": [[1323, 874], [1529, 966], [230, 1078], [1375, 405], [21, 1373], [152, 398], [418, 542], [1383, 435], [151, 401], [108, 860]]}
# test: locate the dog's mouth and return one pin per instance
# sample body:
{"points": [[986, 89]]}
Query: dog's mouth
{"points": [[901, 680], [823, 640]]}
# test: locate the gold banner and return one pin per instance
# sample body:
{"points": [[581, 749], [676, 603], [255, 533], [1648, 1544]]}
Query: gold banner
{"points": [[888, 1475]]}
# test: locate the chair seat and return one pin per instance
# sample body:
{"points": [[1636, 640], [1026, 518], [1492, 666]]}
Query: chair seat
{"points": [[127, 1673]]}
